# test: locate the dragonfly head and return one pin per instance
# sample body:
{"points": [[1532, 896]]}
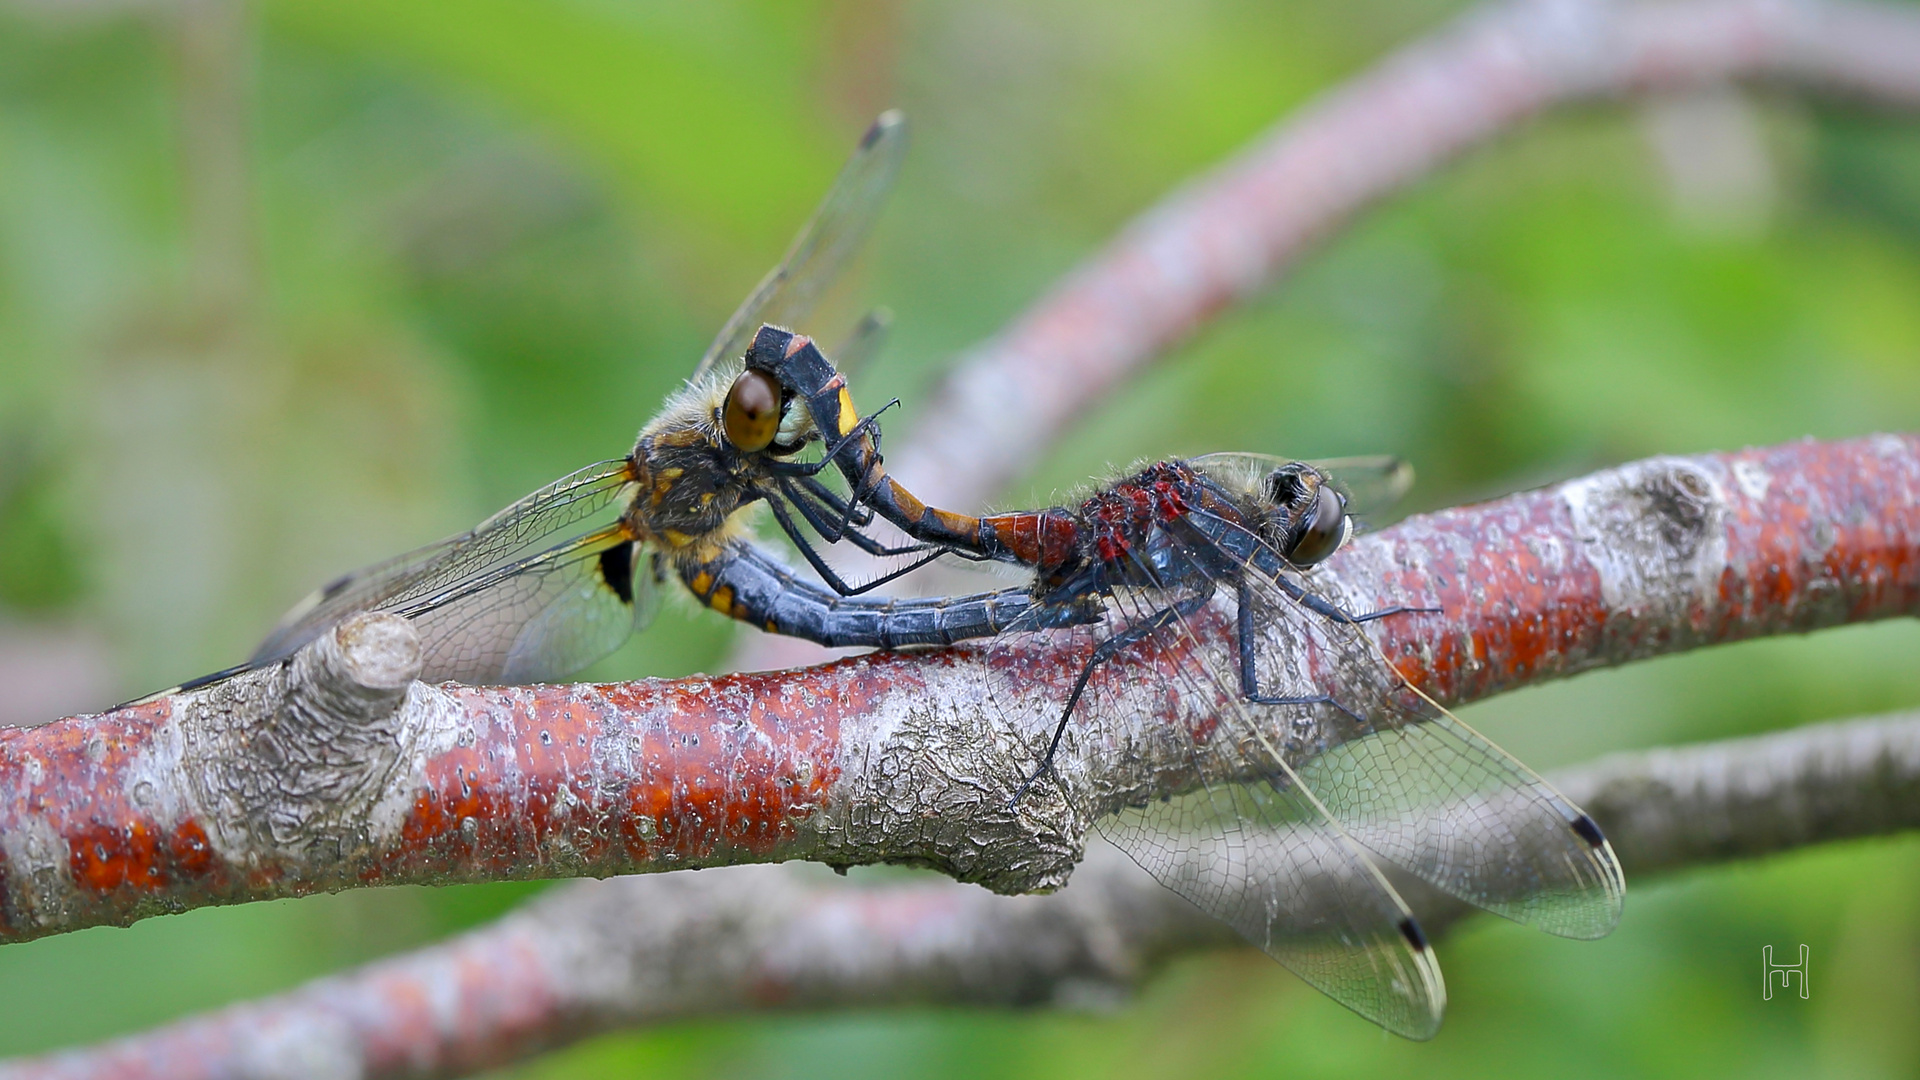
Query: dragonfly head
{"points": [[1308, 521], [765, 411]]}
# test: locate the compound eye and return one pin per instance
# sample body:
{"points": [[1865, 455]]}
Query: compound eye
{"points": [[1326, 529], [751, 417]]}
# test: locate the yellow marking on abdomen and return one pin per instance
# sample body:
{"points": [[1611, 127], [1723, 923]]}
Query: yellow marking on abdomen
{"points": [[848, 417]]}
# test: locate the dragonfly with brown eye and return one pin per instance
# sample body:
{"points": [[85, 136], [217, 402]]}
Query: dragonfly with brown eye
{"points": [[505, 603], [1277, 785]]}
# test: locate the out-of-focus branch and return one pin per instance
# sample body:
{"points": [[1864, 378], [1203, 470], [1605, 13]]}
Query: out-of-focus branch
{"points": [[333, 771], [1233, 230], [653, 949], [213, 46]]}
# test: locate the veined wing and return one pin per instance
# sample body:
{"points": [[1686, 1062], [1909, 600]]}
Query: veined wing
{"points": [[863, 343], [1372, 484], [540, 617], [447, 568], [1402, 775], [1224, 821], [828, 240]]}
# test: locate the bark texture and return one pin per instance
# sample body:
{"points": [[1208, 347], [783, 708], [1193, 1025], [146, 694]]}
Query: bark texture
{"points": [[330, 771]]}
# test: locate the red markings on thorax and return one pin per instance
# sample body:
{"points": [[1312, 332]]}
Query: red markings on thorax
{"points": [[1110, 524], [1122, 516]]}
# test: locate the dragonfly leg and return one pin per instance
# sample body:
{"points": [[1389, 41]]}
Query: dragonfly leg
{"points": [[852, 510], [1104, 652], [871, 476], [868, 425], [826, 572], [821, 518], [1249, 670], [832, 532], [855, 508], [1320, 605], [1397, 609]]}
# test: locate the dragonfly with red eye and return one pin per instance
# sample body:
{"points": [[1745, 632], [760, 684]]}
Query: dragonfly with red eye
{"points": [[1193, 580], [504, 603]]}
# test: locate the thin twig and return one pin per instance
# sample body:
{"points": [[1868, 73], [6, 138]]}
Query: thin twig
{"points": [[1231, 232]]}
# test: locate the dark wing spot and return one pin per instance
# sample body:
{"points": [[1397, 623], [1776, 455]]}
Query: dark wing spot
{"points": [[336, 587], [1415, 936], [616, 567], [1584, 827]]}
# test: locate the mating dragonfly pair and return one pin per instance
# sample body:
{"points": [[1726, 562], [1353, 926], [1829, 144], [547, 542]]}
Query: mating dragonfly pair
{"points": [[1270, 816]]}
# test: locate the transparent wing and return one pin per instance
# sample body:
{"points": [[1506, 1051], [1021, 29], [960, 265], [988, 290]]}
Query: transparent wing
{"points": [[787, 294], [538, 618], [446, 568], [863, 343], [1404, 777], [1231, 828], [1372, 484]]}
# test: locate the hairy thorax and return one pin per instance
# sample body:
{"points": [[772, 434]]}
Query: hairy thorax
{"points": [[689, 486]]}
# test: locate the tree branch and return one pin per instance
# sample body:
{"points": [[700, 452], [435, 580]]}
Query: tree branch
{"points": [[609, 954], [331, 772], [1231, 232], [654, 949]]}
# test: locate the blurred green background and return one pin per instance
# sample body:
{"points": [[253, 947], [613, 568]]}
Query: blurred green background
{"points": [[290, 288]]}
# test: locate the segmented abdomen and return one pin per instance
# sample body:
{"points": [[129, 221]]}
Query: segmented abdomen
{"points": [[746, 584]]}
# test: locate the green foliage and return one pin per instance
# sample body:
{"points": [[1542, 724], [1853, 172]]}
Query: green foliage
{"points": [[39, 565], [481, 241]]}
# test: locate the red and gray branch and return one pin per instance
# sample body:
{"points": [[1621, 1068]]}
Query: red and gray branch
{"points": [[653, 949], [339, 771], [334, 771]]}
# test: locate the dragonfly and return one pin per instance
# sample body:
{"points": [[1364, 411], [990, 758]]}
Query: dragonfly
{"points": [[1201, 571], [507, 602]]}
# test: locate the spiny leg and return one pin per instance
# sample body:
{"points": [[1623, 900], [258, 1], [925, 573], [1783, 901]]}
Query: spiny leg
{"points": [[809, 505], [833, 532], [806, 471], [870, 477], [1105, 651], [855, 512], [867, 424], [1319, 605], [826, 572], [1249, 669]]}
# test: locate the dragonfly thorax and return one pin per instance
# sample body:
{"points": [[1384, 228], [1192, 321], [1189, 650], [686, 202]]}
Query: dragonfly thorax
{"points": [[688, 481]]}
